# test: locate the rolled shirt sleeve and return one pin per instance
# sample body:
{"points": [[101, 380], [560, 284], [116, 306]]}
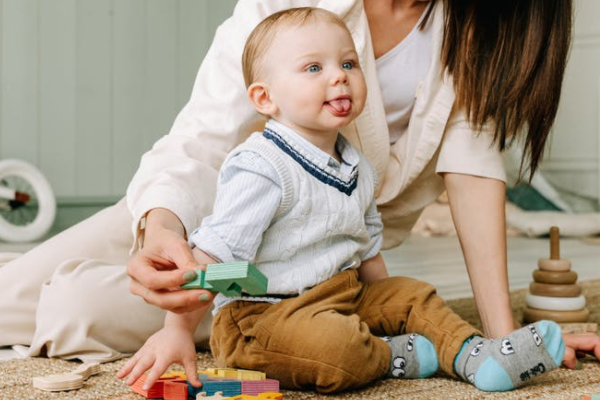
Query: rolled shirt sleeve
{"points": [[466, 151], [248, 196]]}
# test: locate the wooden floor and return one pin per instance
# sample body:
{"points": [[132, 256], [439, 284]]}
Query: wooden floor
{"points": [[439, 261]]}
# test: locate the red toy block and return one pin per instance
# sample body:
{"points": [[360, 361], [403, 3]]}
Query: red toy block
{"points": [[175, 390]]}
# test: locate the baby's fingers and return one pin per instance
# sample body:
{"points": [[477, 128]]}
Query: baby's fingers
{"points": [[142, 365], [191, 372], [154, 374], [126, 369]]}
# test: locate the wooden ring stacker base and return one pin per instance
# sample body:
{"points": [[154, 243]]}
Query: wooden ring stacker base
{"points": [[555, 303], [547, 264], [562, 278], [534, 315], [549, 289]]}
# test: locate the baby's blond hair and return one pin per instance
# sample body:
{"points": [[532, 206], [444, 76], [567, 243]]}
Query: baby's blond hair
{"points": [[261, 37]]}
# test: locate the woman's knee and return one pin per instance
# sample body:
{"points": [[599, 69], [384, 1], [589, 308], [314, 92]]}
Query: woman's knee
{"points": [[93, 296]]}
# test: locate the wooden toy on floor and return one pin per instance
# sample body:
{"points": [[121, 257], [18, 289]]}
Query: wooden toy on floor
{"points": [[230, 279], [67, 381], [554, 293], [175, 390], [204, 396], [157, 391], [262, 396], [225, 382]]}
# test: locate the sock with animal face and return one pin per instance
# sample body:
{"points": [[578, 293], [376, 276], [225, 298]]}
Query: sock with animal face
{"points": [[497, 365], [413, 356]]}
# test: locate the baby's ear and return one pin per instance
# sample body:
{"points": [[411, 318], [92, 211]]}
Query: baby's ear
{"points": [[258, 93]]}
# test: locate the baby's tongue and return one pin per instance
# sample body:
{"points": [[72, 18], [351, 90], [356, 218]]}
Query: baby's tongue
{"points": [[340, 105]]}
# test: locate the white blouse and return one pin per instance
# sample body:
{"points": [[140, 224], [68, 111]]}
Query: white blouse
{"points": [[399, 71]]}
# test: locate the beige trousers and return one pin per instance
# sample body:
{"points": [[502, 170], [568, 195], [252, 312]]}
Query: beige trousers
{"points": [[69, 297]]}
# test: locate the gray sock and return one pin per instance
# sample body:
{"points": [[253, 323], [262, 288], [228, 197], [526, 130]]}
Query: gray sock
{"points": [[506, 363], [413, 356]]}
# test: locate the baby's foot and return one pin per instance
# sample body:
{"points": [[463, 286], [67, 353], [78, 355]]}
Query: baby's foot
{"points": [[413, 356], [497, 365]]}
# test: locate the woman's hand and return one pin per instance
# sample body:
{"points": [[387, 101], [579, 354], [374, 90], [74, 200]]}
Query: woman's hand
{"points": [[170, 345], [580, 345], [163, 264]]}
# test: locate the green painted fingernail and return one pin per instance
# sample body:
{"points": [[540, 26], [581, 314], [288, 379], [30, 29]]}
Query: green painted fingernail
{"points": [[204, 297], [189, 276], [578, 365]]}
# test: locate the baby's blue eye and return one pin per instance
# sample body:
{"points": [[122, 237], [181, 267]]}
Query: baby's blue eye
{"points": [[348, 65], [313, 68]]}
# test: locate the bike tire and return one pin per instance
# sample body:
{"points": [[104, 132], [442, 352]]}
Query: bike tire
{"points": [[36, 219]]}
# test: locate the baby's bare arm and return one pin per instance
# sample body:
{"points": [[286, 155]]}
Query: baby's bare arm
{"points": [[373, 269]]}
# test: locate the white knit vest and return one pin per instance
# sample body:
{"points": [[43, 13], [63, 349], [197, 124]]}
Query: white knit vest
{"points": [[318, 229]]}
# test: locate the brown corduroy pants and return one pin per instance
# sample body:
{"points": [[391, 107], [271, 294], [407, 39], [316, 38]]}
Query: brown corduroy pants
{"points": [[327, 338]]}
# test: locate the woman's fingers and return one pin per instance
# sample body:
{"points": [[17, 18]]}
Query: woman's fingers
{"points": [[569, 359], [177, 301]]}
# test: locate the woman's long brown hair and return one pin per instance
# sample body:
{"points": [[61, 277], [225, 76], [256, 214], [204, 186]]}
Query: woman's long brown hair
{"points": [[507, 59]]}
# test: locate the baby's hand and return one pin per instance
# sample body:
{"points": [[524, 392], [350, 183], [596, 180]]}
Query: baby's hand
{"points": [[167, 346], [580, 344]]}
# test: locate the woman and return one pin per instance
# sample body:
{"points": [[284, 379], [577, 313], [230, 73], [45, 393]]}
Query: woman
{"points": [[450, 84]]}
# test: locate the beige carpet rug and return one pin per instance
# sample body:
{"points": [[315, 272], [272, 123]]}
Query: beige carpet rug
{"points": [[563, 384]]}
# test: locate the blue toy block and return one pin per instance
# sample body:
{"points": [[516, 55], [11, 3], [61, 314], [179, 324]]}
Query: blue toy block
{"points": [[211, 385]]}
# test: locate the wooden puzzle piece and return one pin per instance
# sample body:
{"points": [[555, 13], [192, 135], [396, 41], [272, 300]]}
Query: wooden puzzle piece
{"points": [[175, 390], [239, 374], [157, 391], [230, 279], [216, 396], [224, 382], [58, 382], [67, 381], [262, 396]]}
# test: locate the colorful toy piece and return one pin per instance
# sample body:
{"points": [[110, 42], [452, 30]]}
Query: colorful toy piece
{"points": [[174, 385], [591, 396], [175, 390], [262, 396], [239, 374], [554, 293], [230, 279], [157, 391], [204, 396]]}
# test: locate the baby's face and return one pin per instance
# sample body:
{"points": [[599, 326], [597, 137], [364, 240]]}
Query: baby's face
{"points": [[314, 78]]}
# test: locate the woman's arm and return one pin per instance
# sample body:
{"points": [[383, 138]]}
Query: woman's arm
{"points": [[477, 206], [161, 264]]}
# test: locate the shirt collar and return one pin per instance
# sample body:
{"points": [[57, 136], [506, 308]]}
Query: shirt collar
{"points": [[349, 154]]}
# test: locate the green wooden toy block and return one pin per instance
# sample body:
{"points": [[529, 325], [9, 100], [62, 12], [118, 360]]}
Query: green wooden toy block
{"points": [[199, 282], [230, 279]]}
